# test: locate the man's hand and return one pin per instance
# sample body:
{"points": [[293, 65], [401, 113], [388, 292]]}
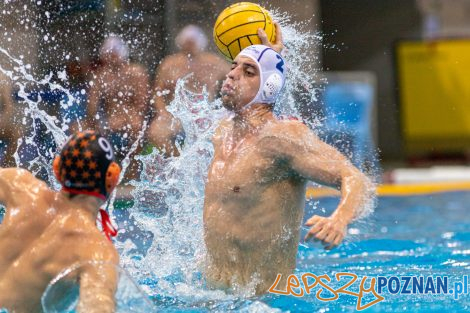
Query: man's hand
{"points": [[328, 230], [277, 45]]}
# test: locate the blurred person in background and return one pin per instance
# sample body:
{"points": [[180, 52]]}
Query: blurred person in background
{"points": [[76, 85], [8, 132], [200, 69], [118, 97]]}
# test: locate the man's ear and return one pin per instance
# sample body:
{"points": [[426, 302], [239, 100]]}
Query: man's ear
{"points": [[56, 168], [112, 176]]}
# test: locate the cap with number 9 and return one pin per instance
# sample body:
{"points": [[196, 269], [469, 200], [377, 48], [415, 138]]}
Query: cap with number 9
{"points": [[86, 165]]}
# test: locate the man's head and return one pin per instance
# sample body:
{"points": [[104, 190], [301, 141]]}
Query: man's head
{"points": [[257, 76], [86, 165], [114, 50], [191, 39]]}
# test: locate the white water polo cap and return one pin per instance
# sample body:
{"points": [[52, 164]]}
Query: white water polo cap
{"points": [[272, 72], [115, 44]]}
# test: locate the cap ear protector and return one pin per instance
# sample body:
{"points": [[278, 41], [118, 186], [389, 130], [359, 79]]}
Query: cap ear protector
{"points": [[271, 66], [86, 166], [272, 86], [112, 177]]}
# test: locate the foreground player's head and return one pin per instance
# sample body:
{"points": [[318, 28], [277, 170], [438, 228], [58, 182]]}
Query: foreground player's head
{"points": [[86, 165]]}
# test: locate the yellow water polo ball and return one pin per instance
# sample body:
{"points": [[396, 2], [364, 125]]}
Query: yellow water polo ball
{"points": [[237, 28]]}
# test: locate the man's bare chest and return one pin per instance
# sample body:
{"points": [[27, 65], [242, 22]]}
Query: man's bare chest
{"points": [[119, 86], [242, 168]]}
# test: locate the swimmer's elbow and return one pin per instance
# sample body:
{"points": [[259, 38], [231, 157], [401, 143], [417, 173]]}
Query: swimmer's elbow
{"points": [[367, 193]]}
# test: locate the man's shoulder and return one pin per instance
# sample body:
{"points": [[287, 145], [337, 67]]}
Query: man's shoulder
{"points": [[289, 127], [137, 69], [17, 181], [284, 135], [173, 59], [15, 174], [224, 125], [213, 58]]}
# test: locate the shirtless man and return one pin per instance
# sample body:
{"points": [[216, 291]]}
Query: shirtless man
{"points": [[255, 191], [206, 70], [120, 89], [44, 232]]}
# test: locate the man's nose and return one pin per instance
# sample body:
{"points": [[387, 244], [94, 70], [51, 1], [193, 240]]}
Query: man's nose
{"points": [[233, 73]]}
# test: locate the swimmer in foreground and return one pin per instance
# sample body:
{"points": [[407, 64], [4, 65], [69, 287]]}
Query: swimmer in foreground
{"points": [[44, 231], [255, 190]]}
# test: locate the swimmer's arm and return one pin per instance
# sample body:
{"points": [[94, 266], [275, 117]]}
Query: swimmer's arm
{"points": [[98, 284], [162, 90], [93, 101], [315, 160], [5, 118], [219, 132], [141, 93], [12, 179]]}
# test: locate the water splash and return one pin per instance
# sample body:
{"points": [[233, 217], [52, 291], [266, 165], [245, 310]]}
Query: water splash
{"points": [[168, 198]]}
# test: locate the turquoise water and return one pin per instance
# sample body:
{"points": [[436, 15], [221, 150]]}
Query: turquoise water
{"points": [[406, 236], [160, 241]]}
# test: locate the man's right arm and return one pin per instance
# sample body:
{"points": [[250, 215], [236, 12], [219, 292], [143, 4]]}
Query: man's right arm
{"points": [[161, 91], [93, 101], [98, 284], [7, 114], [165, 128]]}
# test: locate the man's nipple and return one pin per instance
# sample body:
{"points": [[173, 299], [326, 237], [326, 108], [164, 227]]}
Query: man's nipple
{"points": [[236, 189]]}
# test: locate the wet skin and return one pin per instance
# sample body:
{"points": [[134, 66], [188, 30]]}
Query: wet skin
{"points": [[255, 191], [44, 232]]}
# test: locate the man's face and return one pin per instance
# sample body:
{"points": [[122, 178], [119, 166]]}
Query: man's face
{"points": [[241, 84]]}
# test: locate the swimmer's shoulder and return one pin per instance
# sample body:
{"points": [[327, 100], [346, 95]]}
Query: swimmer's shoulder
{"points": [[172, 60], [92, 244], [289, 127], [224, 125], [137, 70], [18, 180], [288, 134], [214, 59], [170, 65], [15, 175]]}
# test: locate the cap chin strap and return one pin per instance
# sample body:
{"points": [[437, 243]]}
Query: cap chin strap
{"points": [[108, 229]]}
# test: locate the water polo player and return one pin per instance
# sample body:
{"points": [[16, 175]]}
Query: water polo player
{"points": [[44, 232], [255, 190]]}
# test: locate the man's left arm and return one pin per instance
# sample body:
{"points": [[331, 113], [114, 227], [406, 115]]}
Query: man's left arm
{"points": [[142, 92], [98, 285], [315, 160]]}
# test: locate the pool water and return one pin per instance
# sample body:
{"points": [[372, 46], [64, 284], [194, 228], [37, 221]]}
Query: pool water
{"points": [[425, 235]]}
